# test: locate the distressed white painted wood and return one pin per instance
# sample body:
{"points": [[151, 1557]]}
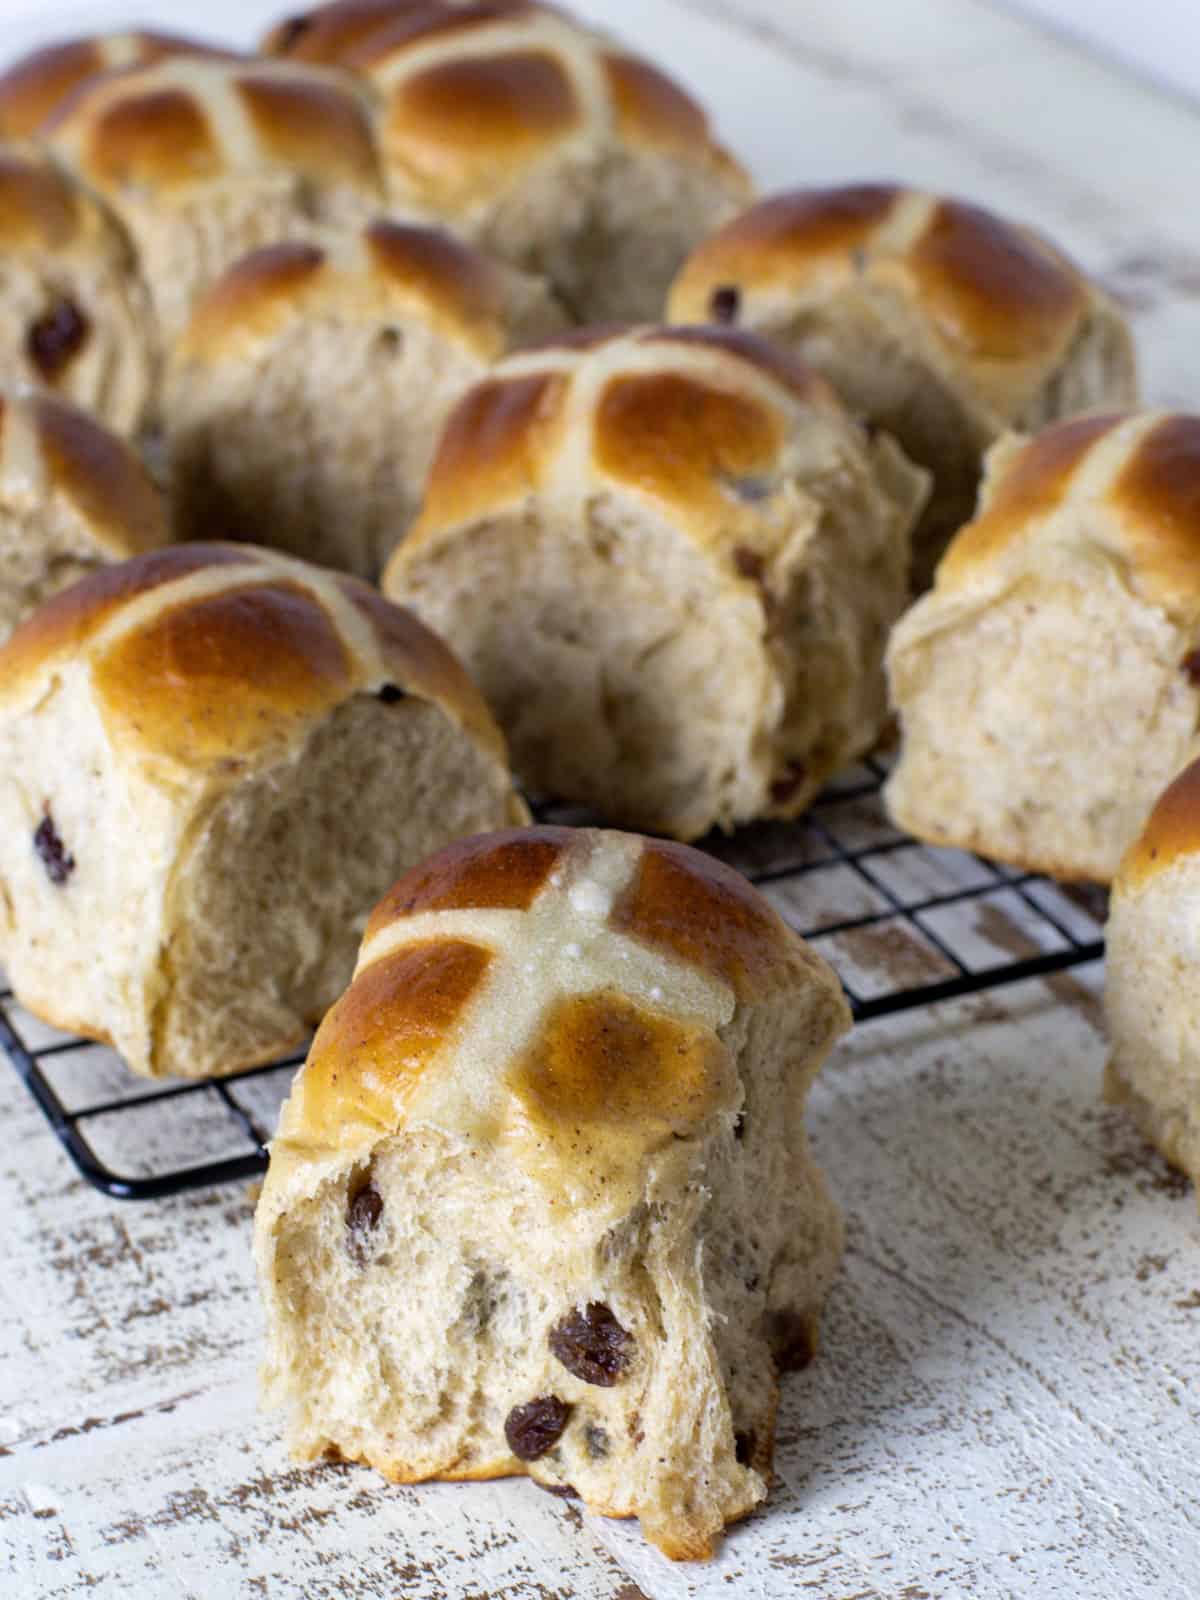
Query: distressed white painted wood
{"points": [[1006, 1404]]}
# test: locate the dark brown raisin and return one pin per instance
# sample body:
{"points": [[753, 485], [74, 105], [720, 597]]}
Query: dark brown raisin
{"points": [[743, 1446], [725, 303], [564, 1491], [52, 853], [291, 31], [1190, 665], [592, 1345], [749, 563], [389, 342], [739, 1127], [533, 1429], [392, 692], [792, 1340], [362, 1218], [56, 338], [786, 785], [596, 1441]]}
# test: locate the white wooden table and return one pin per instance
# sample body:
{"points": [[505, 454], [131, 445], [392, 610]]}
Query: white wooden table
{"points": [[1006, 1404]]}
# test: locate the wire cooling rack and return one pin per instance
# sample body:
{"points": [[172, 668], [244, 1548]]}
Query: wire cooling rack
{"points": [[903, 924]]}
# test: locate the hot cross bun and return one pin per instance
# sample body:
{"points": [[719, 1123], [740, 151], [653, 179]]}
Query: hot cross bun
{"points": [[213, 760], [305, 398], [934, 319], [671, 560], [203, 160], [542, 1200], [542, 141], [1049, 684], [34, 88]]}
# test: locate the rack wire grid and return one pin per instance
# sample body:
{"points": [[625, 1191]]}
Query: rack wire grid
{"points": [[902, 923]]}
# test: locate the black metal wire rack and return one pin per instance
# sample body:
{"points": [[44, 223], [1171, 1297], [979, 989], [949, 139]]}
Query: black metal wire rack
{"points": [[903, 924]]}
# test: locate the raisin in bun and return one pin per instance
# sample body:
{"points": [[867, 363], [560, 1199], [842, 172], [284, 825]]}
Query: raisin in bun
{"points": [[1150, 994], [1048, 686], [671, 560], [203, 160], [542, 1199], [550, 146], [213, 760], [34, 88], [936, 320], [73, 497], [305, 398], [73, 311]]}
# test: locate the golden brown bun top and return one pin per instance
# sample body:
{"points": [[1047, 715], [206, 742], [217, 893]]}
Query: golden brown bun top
{"points": [[561, 990], [997, 302], [36, 87], [1171, 834], [1123, 488], [332, 33], [392, 270], [205, 658], [163, 128], [698, 422], [475, 94], [42, 208], [51, 452]]}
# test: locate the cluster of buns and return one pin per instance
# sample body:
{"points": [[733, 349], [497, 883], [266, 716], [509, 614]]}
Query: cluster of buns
{"points": [[354, 298]]}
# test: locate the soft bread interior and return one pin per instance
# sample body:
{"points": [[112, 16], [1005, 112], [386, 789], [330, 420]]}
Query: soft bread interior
{"points": [[405, 1329], [41, 552], [870, 358], [1150, 1005], [186, 243], [64, 779], [1041, 727], [622, 677], [319, 441], [649, 209], [1099, 369], [634, 673], [267, 905]]}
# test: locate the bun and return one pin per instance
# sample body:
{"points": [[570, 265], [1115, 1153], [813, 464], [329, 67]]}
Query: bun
{"points": [[37, 86], [212, 762], [72, 498], [305, 398], [1048, 687], [936, 320], [205, 160], [72, 309], [671, 561], [542, 1200], [548, 145], [1149, 997]]}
